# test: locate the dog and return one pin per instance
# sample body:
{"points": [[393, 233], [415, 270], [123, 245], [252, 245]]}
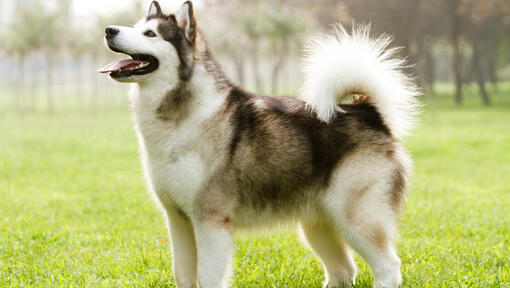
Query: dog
{"points": [[220, 159]]}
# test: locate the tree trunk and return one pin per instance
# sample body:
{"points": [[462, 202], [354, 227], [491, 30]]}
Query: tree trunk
{"points": [[479, 73], [49, 84], [79, 87], [457, 54], [457, 70], [256, 68], [457, 73], [276, 72], [492, 70], [239, 66], [94, 96], [411, 11], [33, 86], [21, 86], [426, 65], [410, 59], [430, 71]]}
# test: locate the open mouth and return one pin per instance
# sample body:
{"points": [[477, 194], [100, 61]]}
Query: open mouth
{"points": [[140, 64]]}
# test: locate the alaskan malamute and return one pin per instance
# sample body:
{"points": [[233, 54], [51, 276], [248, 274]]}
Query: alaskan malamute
{"points": [[219, 158]]}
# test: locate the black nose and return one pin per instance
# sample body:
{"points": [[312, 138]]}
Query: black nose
{"points": [[110, 32]]}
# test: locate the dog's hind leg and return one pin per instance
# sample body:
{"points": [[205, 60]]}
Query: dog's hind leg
{"points": [[372, 237], [362, 202], [335, 254]]}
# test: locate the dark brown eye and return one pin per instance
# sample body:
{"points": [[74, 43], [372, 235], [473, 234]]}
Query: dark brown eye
{"points": [[150, 33]]}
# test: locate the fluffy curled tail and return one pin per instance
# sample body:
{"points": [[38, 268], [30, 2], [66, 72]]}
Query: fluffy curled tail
{"points": [[340, 64]]}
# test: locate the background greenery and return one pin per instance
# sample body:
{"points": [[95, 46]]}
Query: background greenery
{"points": [[74, 211], [50, 49]]}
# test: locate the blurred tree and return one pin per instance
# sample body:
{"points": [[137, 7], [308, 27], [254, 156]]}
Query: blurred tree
{"points": [[51, 26], [403, 20], [266, 35], [417, 25], [282, 28], [485, 28], [220, 19], [323, 12], [267, 27], [79, 46], [398, 17], [452, 13], [36, 28], [429, 30], [249, 18], [21, 41]]}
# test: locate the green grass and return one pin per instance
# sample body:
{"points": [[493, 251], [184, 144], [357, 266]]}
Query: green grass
{"points": [[74, 211]]}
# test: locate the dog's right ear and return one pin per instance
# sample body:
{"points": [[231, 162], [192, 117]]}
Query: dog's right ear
{"points": [[155, 10], [186, 20]]}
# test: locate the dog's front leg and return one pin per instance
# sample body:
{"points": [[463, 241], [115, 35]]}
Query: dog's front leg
{"points": [[214, 249], [184, 251]]}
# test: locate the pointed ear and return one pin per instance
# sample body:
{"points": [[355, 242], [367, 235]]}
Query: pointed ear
{"points": [[155, 9], [186, 20]]}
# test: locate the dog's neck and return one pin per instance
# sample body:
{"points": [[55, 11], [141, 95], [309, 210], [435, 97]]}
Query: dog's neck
{"points": [[176, 101]]}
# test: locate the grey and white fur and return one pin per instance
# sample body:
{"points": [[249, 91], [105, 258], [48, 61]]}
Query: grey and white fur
{"points": [[219, 159]]}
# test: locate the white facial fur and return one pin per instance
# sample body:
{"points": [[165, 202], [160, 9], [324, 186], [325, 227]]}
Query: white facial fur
{"points": [[133, 41]]}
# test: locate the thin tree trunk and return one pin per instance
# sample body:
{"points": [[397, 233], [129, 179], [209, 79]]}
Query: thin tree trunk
{"points": [[492, 70], [276, 71], [457, 70], [256, 62], [479, 73], [457, 54], [239, 66], [430, 71], [94, 96], [77, 82], [12, 80], [32, 91], [82, 82], [426, 65], [21, 85], [49, 84]]}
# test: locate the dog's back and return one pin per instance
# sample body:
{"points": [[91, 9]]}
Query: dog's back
{"points": [[281, 157]]}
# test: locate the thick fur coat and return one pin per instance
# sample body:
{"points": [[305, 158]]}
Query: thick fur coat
{"points": [[219, 158]]}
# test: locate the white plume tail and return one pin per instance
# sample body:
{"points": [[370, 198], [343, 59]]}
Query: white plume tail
{"points": [[340, 64]]}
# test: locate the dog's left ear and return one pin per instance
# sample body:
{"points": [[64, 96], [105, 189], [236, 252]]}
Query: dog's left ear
{"points": [[186, 20], [155, 10]]}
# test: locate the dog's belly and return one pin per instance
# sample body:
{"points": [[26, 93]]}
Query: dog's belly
{"points": [[272, 216]]}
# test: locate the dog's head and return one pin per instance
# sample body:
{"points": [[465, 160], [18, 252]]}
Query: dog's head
{"points": [[160, 46]]}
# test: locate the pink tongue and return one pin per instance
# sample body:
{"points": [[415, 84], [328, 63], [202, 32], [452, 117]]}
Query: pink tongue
{"points": [[119, 65]]}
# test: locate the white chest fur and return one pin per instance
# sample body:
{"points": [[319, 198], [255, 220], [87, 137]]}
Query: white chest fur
{"points": [[173, 162]]}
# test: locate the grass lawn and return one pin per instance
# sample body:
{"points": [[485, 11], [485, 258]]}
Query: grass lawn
{"points": [[74, 211]]}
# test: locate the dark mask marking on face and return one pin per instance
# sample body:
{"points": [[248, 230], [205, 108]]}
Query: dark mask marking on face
{"points": [[172, 33]]}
